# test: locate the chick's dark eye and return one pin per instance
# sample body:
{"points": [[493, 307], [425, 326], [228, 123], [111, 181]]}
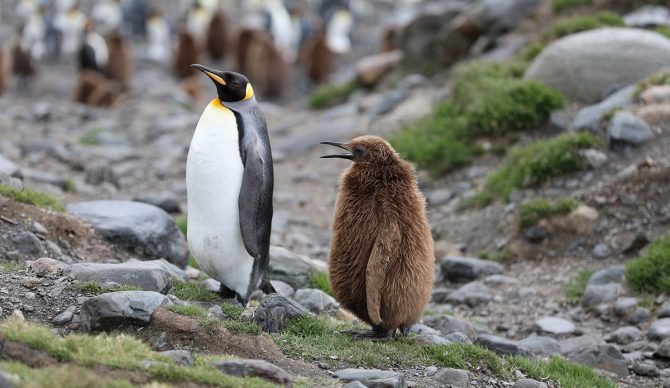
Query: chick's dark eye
{"points": [[360, 151]]}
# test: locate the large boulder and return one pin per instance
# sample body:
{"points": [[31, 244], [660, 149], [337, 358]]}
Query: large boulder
{"points": [[292, 268], [139, 227], [147, 275], [114, 309], [584, 66]]}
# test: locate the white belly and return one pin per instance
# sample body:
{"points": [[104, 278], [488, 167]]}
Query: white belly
{"points": [[213, 180]]}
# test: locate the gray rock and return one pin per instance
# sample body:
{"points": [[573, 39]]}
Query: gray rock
{"points": [[472, 294], [64, 317], [541, 346], [604, 57], [664, 310], [391, 382], [28, 244], [282, 288], [292, 268], [12, 182], [628, 128], [576, 344], [598, 294], [9, 168], [432, 339], [147, 275], [165, 201], [497, 16], [624, 335], [646, 368], [596, 159], [590, 118], [389, 102], [640, 315], [9, 380], [605, 357], [354, 384], [468, 268], [555, 325], [529, 383], [456, 378], [140, 227], [274, 310], [363, 375], [609, 275], [180, 357], [663, 350], [446, 325], [458, 338], [659, 330], [316, 300], [111, 310], [648, 16], [423, 329], [46, 177], [255, 368], [495, 280], [502, 346], [625, 306]]}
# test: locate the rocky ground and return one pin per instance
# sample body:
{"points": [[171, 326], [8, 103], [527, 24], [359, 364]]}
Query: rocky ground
{"points": [[110, 266]]}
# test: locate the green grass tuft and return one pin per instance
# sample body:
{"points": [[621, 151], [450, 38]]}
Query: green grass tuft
{"points": [[93, 287], [61, 376], [232, 311], [320, 281], [11, 267], [182, 223], [497, 256], [660, 78], [562, 5], [663, 30], [118, 351], [189, 310], [532, 211], [239, 327], [560, 370], [192, 291], [329, 95], [572, 25], [488, 99], [535, 164], [531, 51], [90, 138], [650, 272], [39, 199], [575, 289]]}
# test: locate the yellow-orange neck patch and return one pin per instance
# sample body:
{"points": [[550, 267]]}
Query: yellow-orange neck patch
{"points": [[250, 92]]}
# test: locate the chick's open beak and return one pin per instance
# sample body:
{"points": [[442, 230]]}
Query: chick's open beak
{"points": [[346, 155]]}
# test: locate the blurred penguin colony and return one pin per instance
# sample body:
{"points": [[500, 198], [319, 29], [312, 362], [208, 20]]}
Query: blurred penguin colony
{"points": [[264, 39]]}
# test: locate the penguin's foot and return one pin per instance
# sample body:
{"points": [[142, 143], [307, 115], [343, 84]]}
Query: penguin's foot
{"points": [[376, 334], [404, 330], [226, 293], [267, 287]]}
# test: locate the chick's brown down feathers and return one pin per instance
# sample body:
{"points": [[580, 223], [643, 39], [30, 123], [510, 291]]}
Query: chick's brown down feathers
{"points": [[381, 264]]}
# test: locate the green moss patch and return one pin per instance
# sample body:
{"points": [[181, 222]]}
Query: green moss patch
{"points": [[95, 288], [660, 78], [182, 223], [535, 164], [575, 289], [118, 351], [663, 30], [318, 339], [37, 198], [234, 324], [572, 25], [488, 99], [192, 291], [66, 375], [329, 95], [562, 5], [650, 272], [320, 281], [497, 256], [532, 211]]}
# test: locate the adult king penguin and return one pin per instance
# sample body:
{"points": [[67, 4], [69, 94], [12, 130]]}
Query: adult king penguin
{"points": [[229, 182]]}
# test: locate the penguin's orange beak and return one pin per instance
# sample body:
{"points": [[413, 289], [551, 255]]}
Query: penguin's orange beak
{"points": [[348, 155], [211, 73]]}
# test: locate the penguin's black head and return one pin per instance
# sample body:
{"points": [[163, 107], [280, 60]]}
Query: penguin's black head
{"points": [[230, 86]]}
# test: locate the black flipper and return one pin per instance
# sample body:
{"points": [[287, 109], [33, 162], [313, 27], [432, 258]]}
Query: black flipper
{"points": [[250, 194]]}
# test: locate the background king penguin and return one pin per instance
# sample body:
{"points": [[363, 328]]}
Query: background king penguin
{"points": [[229, 182]]}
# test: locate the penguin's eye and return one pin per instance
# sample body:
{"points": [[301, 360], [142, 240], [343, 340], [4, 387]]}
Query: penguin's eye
{"points": [[360, 152]]}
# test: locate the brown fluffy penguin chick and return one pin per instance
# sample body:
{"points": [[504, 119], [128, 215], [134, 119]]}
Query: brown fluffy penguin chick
{"points": [[381, 264], [120, 64], [188, 52], [217, 36], [317, 58]]}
